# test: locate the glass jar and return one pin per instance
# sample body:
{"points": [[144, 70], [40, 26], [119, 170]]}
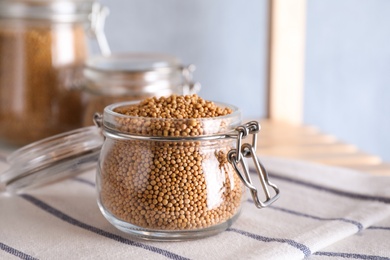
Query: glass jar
{"points": [[42, 52], [150, 184], [133, 76], [180, 186]]}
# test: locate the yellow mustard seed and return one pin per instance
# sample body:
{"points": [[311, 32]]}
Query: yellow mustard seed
{"points": [[170, 185]]}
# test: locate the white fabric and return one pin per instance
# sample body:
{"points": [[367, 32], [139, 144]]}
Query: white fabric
{"points": [[323, 213]]}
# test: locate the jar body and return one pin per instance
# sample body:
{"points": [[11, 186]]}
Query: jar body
{"points": [[39, 63], [168, 190], [164, 188]]}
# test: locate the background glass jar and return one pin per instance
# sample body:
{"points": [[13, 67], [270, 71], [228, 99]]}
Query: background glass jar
{"points": [[178, 187], [133, 76], [42, 52]]}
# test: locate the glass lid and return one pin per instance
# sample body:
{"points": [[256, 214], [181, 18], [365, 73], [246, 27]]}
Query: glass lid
{"points": [[133, 62], [52, 159]]}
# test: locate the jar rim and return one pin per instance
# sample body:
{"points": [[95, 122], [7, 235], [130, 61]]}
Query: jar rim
{"points": [[212, 125], [51, 10], [110, 110], [133, 62]]}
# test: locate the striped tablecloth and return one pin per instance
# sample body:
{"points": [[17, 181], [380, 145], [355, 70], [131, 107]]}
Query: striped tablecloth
{"points": [[323, 213]]}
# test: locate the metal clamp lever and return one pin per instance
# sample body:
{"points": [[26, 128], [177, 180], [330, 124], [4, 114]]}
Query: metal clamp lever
{"points": [[246, 150]]}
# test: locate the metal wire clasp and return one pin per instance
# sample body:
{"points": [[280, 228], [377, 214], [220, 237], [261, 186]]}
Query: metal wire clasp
{"points": [[189, 87], [246, 150], [98, 120], [98, 19]]}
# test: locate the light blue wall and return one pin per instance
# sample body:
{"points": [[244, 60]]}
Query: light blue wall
{"points": [[347, 89], [225, 39]]}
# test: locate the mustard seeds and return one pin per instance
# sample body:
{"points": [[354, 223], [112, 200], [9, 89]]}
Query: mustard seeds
{"points": [[170, 185], [37, 95]]}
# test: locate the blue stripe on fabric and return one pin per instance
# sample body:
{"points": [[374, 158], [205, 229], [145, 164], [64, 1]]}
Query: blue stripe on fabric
{"points": [[98, 231], [378, 227], [331, 190], [351, 256], [15, 252], [296, 213], [305, 250]]}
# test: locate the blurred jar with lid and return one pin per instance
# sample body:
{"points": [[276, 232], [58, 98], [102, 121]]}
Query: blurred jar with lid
{"points": [[133, 76], [43, 48]]}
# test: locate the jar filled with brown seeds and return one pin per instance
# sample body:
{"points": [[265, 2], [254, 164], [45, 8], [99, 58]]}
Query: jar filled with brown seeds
{"points": [[164, 171], [43, 48], [133, 76]]}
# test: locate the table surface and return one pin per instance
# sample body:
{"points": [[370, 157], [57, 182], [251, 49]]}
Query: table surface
{"points": [[308, 143]]}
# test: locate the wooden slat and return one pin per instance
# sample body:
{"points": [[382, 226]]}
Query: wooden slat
{"points": [[308, 144], [307, 150], [286, 59], [346, 160], [296, 140]]}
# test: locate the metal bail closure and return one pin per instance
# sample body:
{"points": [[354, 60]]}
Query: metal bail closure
{"points": [[246, 150], [190, 87], [98, 19]]}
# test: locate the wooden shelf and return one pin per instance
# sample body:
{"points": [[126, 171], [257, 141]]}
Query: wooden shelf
{"points": [[309, 144]]}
